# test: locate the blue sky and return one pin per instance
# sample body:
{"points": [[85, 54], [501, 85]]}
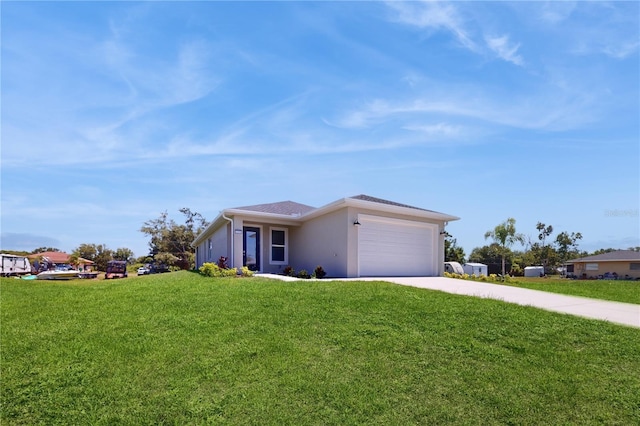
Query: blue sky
{"points": [[114, 112]]}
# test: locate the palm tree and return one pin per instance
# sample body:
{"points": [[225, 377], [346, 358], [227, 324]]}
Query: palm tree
{"points": [[505, 236]]}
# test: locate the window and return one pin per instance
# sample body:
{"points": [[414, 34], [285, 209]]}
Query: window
{"points": [[634, 266], [279, 252], [591, 267]]}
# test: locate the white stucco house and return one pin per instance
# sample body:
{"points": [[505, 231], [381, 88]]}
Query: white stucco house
{"points": [[359, 236]]}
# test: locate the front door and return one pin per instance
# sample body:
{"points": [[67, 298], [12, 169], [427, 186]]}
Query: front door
{"points": [[251, 248]]}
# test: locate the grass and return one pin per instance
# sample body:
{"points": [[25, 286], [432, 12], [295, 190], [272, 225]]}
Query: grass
{"points": [[614, 290], [182, 349]]}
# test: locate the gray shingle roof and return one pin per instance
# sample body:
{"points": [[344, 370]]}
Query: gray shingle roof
{"points": [[288, 208], [364, 197], [618, 255]]}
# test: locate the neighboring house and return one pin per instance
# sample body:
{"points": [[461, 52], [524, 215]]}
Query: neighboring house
{"points": [[56, 257], [358, 236], [621, 264], [62, 258]]}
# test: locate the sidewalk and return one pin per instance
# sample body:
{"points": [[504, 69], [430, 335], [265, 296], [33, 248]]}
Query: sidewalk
{"points": [[617, 312]]}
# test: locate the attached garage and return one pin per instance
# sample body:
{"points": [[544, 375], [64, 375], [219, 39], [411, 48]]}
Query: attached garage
{"points": [[396, 247]]}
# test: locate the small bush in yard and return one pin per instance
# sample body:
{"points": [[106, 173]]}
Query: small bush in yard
{"points": [[319, 272], [246, 272], [212, 270], [289, 271], [222, 263], [304, 274]]}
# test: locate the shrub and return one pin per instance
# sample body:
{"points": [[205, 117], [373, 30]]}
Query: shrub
{"points": [[222, 263], [288, 271], [212, 270], [319, 272], [304, 274], [246, 272]]}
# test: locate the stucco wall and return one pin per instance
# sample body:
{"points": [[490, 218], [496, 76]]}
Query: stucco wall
{"points": [[321, 241], [220, 242], [219, 246]]}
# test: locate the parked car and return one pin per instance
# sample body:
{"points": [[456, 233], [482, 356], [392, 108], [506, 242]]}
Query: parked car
{"points": [[143, 271], [158, 268]]}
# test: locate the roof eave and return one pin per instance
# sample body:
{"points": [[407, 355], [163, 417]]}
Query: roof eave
{"points": [[388, 208], [238, 212], [601, 260], [291, 220], [213, 225]]}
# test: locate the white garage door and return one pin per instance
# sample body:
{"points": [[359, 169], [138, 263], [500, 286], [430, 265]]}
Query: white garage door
{"points": [[393, 247]]}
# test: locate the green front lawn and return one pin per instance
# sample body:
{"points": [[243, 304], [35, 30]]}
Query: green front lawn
{"points": [[614, 290], [182, 349]]}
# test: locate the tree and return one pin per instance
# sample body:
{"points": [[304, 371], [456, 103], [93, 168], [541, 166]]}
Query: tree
{"points": [[123, 253], [453, 253], [170, 243], [97, 253], [567, 245], [86, 251], [544, 253], [505, 236], [603, 251], [490, 256], [45, 249]]}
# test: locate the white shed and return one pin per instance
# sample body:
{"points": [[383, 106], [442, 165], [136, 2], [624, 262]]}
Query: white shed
{"points": [[476, 269], [534, 271]]}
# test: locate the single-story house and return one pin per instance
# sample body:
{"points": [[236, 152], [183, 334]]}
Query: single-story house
{"points": [[62, 258], [620, 263], [359, 236]]}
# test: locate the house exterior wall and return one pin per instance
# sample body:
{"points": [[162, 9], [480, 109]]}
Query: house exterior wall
{"points": [[322, 241], [215, 246], [594, 269], [331, 241], [220, 244], [266, 265]]}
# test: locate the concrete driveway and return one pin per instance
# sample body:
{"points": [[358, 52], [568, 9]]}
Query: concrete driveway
{"points": [[620, 313]]}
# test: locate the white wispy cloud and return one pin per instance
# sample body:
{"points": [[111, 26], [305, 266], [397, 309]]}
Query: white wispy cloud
{"points": [[556, 11], [504, 49], [433, 15], [126, 92], [543, 112], [622, 49], [439, 16], [602, 28]]}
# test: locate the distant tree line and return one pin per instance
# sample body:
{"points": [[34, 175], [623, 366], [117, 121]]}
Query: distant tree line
{"points": [[546, 251], [169, 244], [101, 255], [98, 253]]}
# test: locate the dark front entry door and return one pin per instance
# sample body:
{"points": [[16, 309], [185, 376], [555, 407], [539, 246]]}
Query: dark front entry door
{"points": [[251, 248]]}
